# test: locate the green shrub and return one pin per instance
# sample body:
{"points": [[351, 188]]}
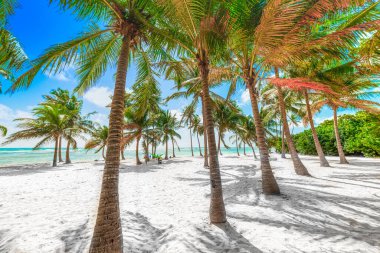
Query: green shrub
{"points": [[360, 135]]}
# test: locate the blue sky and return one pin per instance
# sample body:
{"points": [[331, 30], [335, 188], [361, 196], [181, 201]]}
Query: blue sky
{"points": [[38, 25]]}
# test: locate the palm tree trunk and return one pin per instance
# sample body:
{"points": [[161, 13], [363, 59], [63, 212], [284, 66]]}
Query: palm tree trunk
{"points": [[68, 160], [342, 157], [299, 168], [60, 149], [282, 142], [269, 183], [173, 148], [103, 155], [166, 150], [138, 162], [253, 151], [55, 152], [322, 159], [244, 148], [217, 208], [107, 236], [147, 150], [219, 137], [237, 145], [206, 164], [122, 152], [199, 145], [191, 143]]}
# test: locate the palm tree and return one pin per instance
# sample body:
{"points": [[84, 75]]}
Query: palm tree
{"points": [[200, 29], [77, 124], [245, 130], [188, 119], [128, 28], [76, 127], [199, 130], [136, 127], [98, 140], [189, 85], [226, 117], [279, 101], [167, 124], [48, 124]]}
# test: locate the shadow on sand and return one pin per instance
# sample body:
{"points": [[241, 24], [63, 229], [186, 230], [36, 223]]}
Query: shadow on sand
{"points": [[76, 240]]}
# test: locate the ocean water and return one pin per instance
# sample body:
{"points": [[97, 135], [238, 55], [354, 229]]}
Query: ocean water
{"points": [[18, 156]]}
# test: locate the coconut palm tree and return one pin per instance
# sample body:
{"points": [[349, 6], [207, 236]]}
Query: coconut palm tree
{"points": [[167, 124], [48, 124], [226, 117], [189, 84], [290, 105], [245, 129], [136, 128], [128, 29], [188, 119], [200, 28], [77, 124], [98, 140], [199, 130]]}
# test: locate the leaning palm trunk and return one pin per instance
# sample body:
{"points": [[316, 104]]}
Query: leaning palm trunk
{"points": [[60, 150], [269, 183], [191, 143], [199, 145], [282, 142], [55, 152], [206, 164], [68, 160], [253, 151], [173, 148], [219, 137], [107, 235], [103, 155], [237, 145], [217, 208], [138, 162], [322, 159], [299, 168], [342, 157], [166, 149], [244, 149], [122, 152]]}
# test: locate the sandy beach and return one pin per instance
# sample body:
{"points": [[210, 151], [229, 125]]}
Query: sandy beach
{"points": [[164, 208]]}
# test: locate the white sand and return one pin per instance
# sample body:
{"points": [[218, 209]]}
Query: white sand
{"points": [[164, 208]]}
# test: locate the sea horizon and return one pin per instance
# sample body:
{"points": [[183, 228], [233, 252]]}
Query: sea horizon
{"points": [[21, 156]]}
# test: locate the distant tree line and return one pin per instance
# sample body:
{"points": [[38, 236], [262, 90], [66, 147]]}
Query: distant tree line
{"points": [[360, 135]]}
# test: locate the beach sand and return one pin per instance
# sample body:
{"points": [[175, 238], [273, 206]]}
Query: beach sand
{"points": [[164, 208]]}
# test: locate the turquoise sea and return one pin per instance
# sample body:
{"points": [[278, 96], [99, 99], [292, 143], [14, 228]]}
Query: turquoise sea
{"points": [[18, 156]]}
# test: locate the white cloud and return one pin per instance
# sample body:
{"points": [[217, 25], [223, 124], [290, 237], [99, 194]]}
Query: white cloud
{"points": [[5, 112], [319, 120], [245, 97], [100, 96], [177, 113], [7, 115], [100, 118]]}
